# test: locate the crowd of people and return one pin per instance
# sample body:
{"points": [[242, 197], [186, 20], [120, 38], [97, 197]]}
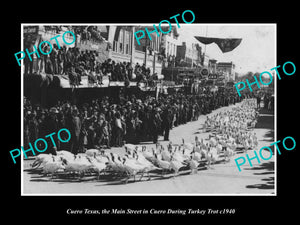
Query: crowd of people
{"points": [[267, 99], [76, 63], [101, 123]]}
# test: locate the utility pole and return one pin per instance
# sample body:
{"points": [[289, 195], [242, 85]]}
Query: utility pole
{"points": [[146, 50], [132, 46], [154, 54], [205, 45]]}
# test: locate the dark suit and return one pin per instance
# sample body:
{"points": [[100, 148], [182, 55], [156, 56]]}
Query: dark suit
{"points": [[75, 133], [166, 122], [51, 125]]}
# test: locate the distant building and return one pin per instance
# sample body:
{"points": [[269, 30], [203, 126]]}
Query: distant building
{"points": [[228, 69], [169, 43], [212, 66], [189, 56], [149, 51], [205, 60], [121, 48]]}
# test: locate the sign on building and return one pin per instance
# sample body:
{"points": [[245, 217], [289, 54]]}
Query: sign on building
{"points": [[204, 72], [212, 76]]}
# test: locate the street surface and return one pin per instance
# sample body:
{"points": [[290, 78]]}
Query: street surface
{"points": [[222, 178]]}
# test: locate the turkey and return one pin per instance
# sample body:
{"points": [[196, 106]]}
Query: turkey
{"points": [[65, 154], [212, 157], [188, 146], [132, 168], [164, 165], [193, 164], [148, 166], [53, 165], [78, 165], [228, 153], [213, 141], [196, 155], [175, 165], [110, 164], [92, 152], [129, 147], [97, 166], [219, 148], [165, 154], [149, 155], [179, 157], [40, 159]]}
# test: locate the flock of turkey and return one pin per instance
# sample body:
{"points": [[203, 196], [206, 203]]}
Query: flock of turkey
{"points": [[142, 161]]}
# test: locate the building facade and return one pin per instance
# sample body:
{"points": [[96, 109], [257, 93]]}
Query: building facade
{"points": [[212, 66], [189, 56], [169, 45], [121, 43], [228, 69]]}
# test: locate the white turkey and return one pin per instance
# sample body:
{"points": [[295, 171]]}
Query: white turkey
{"points": [[164, 165], [97, 166], [92, 152], [193, 164], [175, 165], [53, 165], [39, 159]]}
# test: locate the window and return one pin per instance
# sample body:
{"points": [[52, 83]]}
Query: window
{"points": [[121, 41], [167, 48], [115, 46], [127, 49], [121, 47]]}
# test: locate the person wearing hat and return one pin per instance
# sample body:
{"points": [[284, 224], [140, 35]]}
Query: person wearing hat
{"points": [[53, 58], [166, 123], [50, 125], [104, 134], [155, 124], [75, 131]]}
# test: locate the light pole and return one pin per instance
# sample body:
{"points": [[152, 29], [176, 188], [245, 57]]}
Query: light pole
{"points": [[146, 51]]}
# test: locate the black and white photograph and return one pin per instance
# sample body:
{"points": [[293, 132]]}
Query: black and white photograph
{"points": [[141, 109], [150, 112]]}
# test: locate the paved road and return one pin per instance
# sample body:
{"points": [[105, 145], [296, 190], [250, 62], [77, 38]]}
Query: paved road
{"points": [[223, 178]]}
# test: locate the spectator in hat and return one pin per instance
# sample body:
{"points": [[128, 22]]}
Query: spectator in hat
{"points": [[258, 98], [75, 130], [155, 123], [51, 126], [105, 134], [53, 58], [118, 129], [166, 123]]}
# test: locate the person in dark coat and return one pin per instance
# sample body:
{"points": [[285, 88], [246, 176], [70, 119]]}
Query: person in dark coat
{"points": [[75, 131], [155, 124], [258, 101], [166, 122], [51, 125]]}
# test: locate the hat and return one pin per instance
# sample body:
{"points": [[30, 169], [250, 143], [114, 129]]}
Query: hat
{"points": [[53, 110]]}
